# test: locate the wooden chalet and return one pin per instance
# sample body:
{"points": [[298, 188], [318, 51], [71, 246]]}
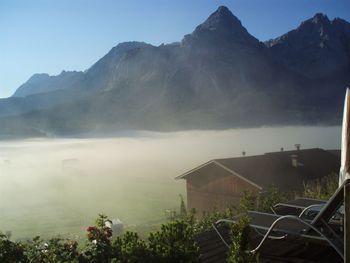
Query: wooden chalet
{"points": [[220, 183]]}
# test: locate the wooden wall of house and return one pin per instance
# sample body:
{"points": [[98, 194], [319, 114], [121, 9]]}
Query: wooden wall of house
{"points": [[215, 188]]}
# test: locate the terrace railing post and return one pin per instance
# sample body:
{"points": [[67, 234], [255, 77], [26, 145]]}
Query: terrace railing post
{"points": [[347, 223]]}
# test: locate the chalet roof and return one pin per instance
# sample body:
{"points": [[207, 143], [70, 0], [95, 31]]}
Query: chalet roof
{"points": [[335, 152], [277, 168]]}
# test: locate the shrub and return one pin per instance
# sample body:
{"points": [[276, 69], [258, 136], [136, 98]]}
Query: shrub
{"points": [[240, 249], [11, 252], [248, 201], [263, 201], [55, 250], [183, 210], [322, 188], [130, 249], [272, 196], [99, 248], [206, 222], [174, 243]]}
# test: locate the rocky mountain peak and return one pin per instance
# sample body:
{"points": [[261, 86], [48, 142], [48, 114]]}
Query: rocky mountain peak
{"points": [[319, 26], [224, 10], [124, 47], [311, 32], [316, 48], [342, 26], [320, 18], [38, 77], [222, 19], [220, 28], [114, 55]]}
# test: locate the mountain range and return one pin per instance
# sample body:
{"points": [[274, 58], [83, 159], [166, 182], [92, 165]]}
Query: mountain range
{"points": [[217, 77]]}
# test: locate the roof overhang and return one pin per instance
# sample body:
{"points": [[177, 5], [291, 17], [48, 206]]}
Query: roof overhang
{"points": [[184, 175]]}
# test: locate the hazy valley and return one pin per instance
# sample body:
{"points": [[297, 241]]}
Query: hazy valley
{"points": [[58, 186], [113, 137]]}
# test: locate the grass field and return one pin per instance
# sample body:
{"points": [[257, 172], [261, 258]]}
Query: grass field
{"points": [[41, 195], [59, 186]]}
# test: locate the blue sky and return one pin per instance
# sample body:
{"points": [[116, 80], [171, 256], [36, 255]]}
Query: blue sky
{"points": [[49, 36]]}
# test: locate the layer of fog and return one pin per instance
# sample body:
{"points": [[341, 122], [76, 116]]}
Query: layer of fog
{"points": [[60, 185]]}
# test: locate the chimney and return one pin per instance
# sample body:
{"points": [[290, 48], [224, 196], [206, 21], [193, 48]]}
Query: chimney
{"points": [[294, 159], [243, 152], [282, 149], [297, 146]]}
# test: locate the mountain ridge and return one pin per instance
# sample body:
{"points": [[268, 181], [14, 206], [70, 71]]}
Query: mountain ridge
{"points": [[322, 44], [219, 76], [221, 26]]}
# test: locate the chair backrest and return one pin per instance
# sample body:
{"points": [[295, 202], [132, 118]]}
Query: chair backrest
{"points": [[332, 205]]}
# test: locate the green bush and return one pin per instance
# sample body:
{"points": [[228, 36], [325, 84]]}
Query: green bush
{"points": [[174, 243], [11, 252], [272, 196], [207, 220], [263, 201], [98, 248], [240, 251], [248, 201], [130, 249], [55, 250], [322, 188]]}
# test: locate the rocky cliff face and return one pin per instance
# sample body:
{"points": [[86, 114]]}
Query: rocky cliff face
{"points": [[316, 49], [219, 76], [43, 83], [222, 29]]}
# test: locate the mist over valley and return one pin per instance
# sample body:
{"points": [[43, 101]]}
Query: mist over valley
{"points": [[220, 121], [58, 186]]}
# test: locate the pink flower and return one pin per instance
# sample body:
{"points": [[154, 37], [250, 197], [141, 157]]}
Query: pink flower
{"points": [[91, 228]]}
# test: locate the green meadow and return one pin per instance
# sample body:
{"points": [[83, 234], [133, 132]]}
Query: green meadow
{"points": [[57, 187]]}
